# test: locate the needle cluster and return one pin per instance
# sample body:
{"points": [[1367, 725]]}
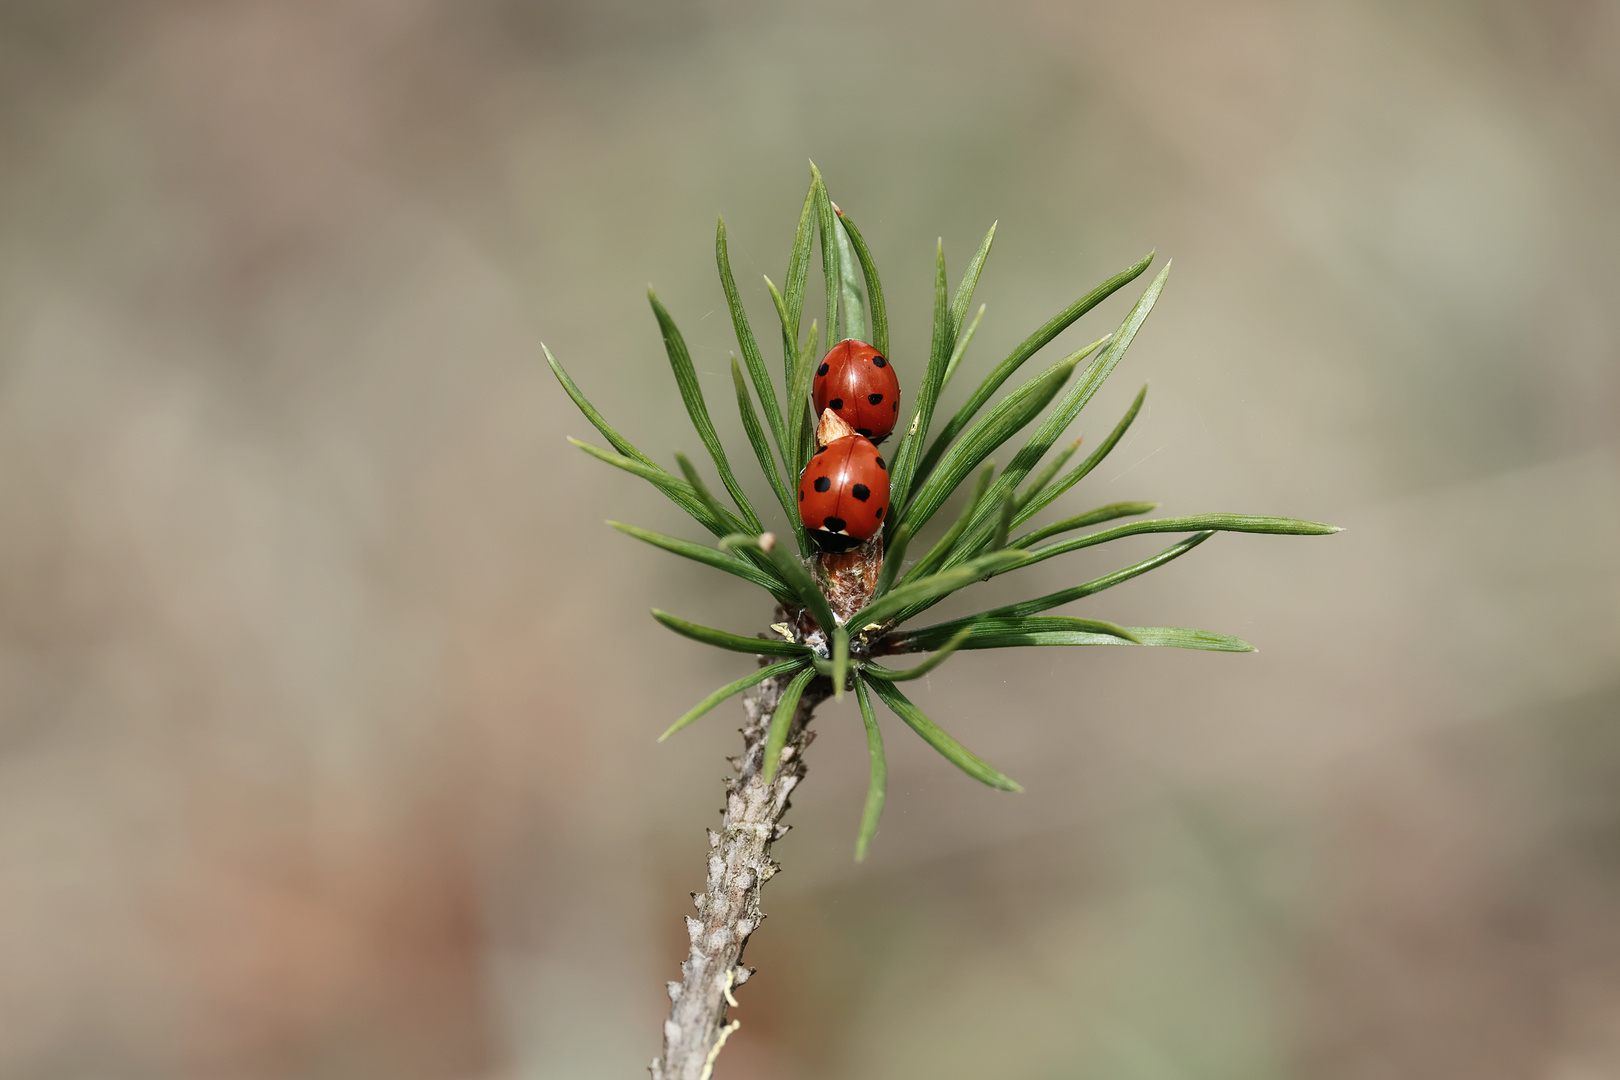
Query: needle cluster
{"points": [[986, 539]]}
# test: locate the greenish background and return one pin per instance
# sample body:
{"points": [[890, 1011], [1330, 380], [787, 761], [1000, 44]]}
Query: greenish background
{"points": [[327, 703]]}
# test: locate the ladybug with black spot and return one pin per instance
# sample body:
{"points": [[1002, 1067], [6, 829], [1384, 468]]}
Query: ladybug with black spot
{"points": [[844, 493], [857, 382]]}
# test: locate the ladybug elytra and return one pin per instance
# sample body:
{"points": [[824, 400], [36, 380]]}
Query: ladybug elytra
{"points": [[857, 383], [844, 493]]}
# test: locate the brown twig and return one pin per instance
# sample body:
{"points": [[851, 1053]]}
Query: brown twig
{"points": [[739, 858]]}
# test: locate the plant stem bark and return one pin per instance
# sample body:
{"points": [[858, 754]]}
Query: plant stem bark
{"points": [[728, 908], [739, 859]]}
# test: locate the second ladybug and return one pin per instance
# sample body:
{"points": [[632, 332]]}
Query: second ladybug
{"points": [[857, 383], [844, 493]]}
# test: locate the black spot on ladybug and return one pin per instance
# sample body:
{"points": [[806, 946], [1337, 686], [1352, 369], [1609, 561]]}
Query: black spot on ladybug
{"points": [[834, 524], [874, 399], [878, 361], [822, 483], [882, 466], [801, 494], [835, 404], [864, 431], [823, 369], [880, 513], [861, 492], [897, 406]]}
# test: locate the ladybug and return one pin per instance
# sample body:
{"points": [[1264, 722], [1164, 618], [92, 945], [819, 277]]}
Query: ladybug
{"points": [[844, 493], [857, 382]]}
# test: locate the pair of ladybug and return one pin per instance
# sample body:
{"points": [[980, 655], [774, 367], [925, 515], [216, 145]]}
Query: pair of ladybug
{"points": [[844, 489]]}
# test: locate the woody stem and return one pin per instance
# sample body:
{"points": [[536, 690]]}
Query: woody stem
{"points": [[739, 861], [738, 864]]}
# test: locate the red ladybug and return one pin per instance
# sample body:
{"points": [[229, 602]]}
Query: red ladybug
{"points": [[855, 381], [844, 493]]}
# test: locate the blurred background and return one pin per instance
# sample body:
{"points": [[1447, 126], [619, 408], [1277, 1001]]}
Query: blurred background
{"points": [[328, 703]]}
